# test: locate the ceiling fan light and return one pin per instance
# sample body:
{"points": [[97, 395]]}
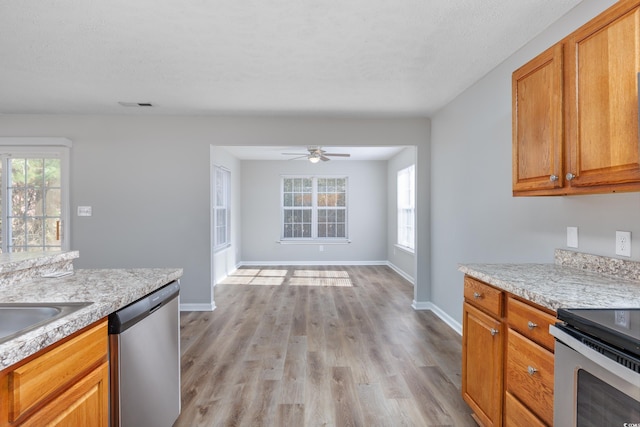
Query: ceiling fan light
{"points": [[314, 159]]}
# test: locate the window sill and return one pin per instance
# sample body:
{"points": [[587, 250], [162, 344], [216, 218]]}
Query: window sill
{"points": [[313, 242], [405, 249]]}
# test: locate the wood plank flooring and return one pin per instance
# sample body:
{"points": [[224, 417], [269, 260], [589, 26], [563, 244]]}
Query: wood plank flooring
{"points": [[319, 346]]}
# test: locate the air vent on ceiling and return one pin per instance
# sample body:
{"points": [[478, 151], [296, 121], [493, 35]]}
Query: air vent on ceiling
{"points": [[135, 104]]}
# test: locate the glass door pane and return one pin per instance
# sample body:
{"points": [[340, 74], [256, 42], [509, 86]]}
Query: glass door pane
{"points": [[34, 204]]}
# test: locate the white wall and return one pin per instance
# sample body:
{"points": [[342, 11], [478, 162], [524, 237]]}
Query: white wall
{"points": [[367, 212], [402, 260], [147, 178], [474, 216], [226, 260]]}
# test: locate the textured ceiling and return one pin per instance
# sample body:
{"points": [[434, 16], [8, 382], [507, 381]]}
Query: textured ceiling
{"points": [[320, 57]]}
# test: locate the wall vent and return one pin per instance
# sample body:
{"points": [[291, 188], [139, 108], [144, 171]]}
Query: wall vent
{"points": [[135, 104]]}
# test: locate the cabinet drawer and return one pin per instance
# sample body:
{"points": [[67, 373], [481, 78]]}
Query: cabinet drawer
{"points": [[483, 296], [529, 375], [53, 371], [531, 322], [516, 414]]}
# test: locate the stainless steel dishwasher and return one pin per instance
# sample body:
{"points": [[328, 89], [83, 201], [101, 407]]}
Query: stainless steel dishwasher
{"points": [[144, 352]]}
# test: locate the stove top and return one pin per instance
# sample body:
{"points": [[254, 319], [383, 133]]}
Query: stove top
{"points": [[619, 327]]}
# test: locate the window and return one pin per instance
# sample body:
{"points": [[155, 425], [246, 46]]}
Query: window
{"points": [[314, 208], [221, 209], [406, 207], [34, 189]]}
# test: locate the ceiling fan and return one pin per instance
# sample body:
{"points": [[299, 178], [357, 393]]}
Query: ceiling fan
{"points": [[315, 154]]}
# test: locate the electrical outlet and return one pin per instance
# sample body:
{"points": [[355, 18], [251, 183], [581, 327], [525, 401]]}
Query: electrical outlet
{"points": [[572, 237], [622, 318], [623, 243], [321, 248]]}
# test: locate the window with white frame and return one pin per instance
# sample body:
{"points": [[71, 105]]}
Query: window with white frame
{"points": [[221, 208], [34, 195], [406, 207], [314, 208]]}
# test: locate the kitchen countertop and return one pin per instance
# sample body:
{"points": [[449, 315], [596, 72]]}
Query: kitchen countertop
{"points": [[108, 290], [558, 286]]}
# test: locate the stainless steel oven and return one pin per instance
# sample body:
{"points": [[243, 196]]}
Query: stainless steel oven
{"points": [[597, 368]]}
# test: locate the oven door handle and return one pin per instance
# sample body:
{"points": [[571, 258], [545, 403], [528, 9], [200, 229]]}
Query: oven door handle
{"points": [[615, 368]]}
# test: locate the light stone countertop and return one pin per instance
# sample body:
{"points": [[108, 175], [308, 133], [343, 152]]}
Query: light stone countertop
{"points": [[108, 290], [559, 286], [15, 261]]}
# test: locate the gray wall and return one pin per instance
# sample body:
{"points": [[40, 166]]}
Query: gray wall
{"points": [[367, 212], [474, 216], [147, 179], [402, 260]]}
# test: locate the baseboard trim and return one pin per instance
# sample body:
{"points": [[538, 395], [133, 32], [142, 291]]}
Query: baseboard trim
{"points": [[401, 273], [453, 323], [450, 321], [421, 305], [215, 282], [197, 307]]}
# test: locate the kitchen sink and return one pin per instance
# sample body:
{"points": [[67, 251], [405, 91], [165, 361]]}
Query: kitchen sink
{"points": [[18, 318]]}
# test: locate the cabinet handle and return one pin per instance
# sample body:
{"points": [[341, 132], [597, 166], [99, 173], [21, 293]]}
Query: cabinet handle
{"points": [[531, 325], [531, 370], [570, 176], [477, 295], [494, 332], [553, 178]]}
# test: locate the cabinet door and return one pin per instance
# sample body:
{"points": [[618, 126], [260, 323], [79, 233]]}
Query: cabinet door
{"points": [[602, 65], [86, 403], [537, 115], [482, 346]]}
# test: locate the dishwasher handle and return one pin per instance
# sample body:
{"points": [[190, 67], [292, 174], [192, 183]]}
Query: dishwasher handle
{"points": [[128, 316]]}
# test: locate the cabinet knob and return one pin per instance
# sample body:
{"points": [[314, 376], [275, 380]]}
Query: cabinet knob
{"points": [[553, 178], [570, 176], [531, 370], [494, 332], [531, 325], [477, 295]]}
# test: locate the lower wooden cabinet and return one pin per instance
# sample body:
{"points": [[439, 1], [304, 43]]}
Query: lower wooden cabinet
{"points": [[482, 367], [517, 415], [529, 375], [64, 385], [507, 358]]}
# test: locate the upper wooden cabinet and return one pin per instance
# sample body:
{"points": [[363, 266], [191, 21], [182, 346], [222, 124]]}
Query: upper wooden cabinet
{"points": [[575, 110], [603, 61], [537, 123]]}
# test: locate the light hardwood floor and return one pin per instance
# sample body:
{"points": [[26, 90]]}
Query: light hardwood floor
{"points": [[319, 346]]}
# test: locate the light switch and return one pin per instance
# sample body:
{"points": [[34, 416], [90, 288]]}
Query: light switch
{"points": [[84, 210], [572, 237]]}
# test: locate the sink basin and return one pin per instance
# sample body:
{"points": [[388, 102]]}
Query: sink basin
{"points": [[18, 318]]}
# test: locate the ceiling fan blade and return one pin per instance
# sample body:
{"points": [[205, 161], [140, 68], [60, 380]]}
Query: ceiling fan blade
{"points": [[294, 154], [306, 156], [324, 158], [337, 154]]}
